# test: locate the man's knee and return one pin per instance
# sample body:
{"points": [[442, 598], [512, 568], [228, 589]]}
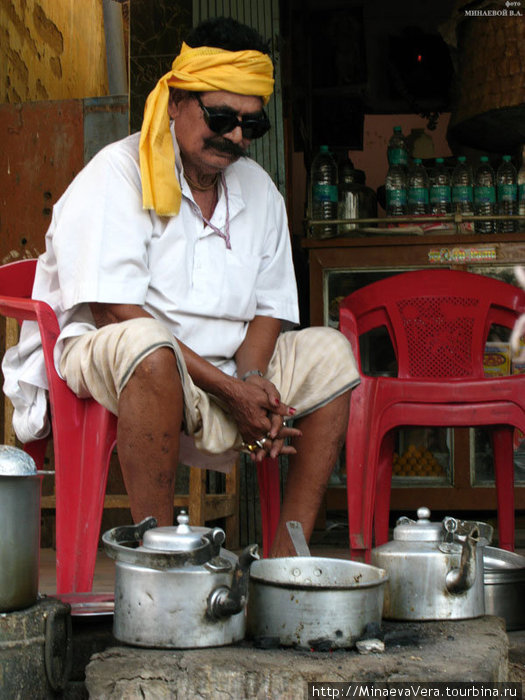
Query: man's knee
{"points": [[329, 342], [158, 368]]}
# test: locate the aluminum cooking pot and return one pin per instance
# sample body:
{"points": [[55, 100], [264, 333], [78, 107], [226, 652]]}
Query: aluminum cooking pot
{"points": [[313, 601], [20, 527], [435, 569], [178, 589], [504, 575]]}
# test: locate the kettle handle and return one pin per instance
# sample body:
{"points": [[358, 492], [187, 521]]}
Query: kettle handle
{"points": [[128, 533], [115, 542]]}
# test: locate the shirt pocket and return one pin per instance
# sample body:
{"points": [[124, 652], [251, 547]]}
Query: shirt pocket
{"points": [[238, 299]]}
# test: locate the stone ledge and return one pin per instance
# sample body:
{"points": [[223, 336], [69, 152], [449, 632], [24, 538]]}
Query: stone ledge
{"points": [[465, 650]]}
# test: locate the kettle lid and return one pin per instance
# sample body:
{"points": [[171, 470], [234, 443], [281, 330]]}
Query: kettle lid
{"points": [[179, 538], [422, 530], [16, 462]]}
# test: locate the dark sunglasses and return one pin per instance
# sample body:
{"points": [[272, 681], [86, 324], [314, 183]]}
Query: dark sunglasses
{"points": [[223, 122]]}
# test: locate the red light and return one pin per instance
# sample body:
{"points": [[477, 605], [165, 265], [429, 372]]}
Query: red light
{"points": [[419, 58]]}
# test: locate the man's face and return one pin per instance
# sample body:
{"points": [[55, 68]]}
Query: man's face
{"points": [[202, 149]]}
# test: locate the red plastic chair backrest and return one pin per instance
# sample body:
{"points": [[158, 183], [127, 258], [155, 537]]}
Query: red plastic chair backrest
{"points": [[16, 286], [438, 320], [16, 279]]}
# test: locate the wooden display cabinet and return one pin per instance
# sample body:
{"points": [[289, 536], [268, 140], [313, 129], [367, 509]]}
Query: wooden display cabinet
{"points": [[338, 266]]}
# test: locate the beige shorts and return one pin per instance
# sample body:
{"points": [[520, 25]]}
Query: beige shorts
{"points": [[309, 368]]}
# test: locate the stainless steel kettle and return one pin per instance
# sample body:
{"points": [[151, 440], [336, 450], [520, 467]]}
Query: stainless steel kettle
{"points": [[175, 587], [435, 569]]}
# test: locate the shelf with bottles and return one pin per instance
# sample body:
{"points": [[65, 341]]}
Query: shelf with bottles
{"points": [[427, 196], [456, 223]]}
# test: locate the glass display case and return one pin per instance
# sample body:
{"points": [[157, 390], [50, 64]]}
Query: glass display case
{"points": [[441, 467]]}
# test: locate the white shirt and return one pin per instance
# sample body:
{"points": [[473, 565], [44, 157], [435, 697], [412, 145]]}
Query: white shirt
{"points": [[102, 246]]}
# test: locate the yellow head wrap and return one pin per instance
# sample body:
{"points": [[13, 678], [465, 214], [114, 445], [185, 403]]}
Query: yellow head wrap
{"points": [[201, 69]]}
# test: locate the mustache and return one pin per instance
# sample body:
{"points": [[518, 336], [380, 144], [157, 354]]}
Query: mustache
{"points": [[224, 146]]}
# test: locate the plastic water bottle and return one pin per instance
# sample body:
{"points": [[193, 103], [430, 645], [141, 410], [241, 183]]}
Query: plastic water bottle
{"points": [[507, 193], [521, 188], [484, 195], [324, 192], [397, 151], [396, 190], [417, 188], [440, 195], [462, 187]]}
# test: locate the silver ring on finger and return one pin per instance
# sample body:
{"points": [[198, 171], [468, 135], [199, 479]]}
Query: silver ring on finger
{"points": [[260, 443]]}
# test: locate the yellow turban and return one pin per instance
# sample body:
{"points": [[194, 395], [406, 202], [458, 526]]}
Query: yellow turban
{"points": [[201, 69]]}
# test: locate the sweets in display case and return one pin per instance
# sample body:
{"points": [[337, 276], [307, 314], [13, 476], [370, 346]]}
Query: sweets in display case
{"points": [[417, 461]]}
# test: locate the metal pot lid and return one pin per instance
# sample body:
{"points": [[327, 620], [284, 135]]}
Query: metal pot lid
{"points": [[422, 530], [16, 462], [502, 567], [180, 538], [495, 559]]}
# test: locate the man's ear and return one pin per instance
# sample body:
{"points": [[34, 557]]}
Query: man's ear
{"points": [[173, 103]]}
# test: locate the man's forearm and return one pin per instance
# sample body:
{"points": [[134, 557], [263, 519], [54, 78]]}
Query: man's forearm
{"points": [[258, 346]]}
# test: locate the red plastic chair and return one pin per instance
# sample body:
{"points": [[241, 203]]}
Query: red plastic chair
{"points": [[84, 435], [270, 500], [438, 322]]}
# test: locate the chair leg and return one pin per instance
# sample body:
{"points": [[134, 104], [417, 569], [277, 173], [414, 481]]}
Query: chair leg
{"points": [[383, 488], [503, 449], [80, 484], [358, 472], [270, 499]]}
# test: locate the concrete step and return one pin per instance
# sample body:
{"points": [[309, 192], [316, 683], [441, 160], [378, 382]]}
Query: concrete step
{"points": [[445, 651]]}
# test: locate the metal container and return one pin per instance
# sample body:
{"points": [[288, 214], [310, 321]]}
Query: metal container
{"points": [[305, 601], [356, 200], [178, 589], [435, 569], [20, 527], [504, 577]]}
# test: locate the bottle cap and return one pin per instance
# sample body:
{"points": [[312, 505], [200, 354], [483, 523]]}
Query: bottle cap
{"points": [[484, 159], [439, 160], [397, 129], [417, 161], [462, 159], [323, 149], [507, 158]]}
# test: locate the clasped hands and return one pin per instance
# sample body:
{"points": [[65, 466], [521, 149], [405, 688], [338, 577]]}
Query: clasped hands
{"points": [[262, 419]]}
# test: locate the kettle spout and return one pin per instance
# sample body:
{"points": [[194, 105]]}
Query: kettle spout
{"points": [[462, 579], [224, 601]]}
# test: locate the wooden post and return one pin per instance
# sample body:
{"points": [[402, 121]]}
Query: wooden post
{"points": [[10, 339]]}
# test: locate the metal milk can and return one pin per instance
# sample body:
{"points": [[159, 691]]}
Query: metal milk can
{"points": [[435, 569], [20, 529]]}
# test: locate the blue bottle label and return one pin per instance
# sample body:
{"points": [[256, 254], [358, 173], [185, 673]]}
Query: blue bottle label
{"points": [[324, 193], [397, 156], [418, 195], [462, 193], [439, 193], [484, 194], [507, 193], [396, 197]]}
